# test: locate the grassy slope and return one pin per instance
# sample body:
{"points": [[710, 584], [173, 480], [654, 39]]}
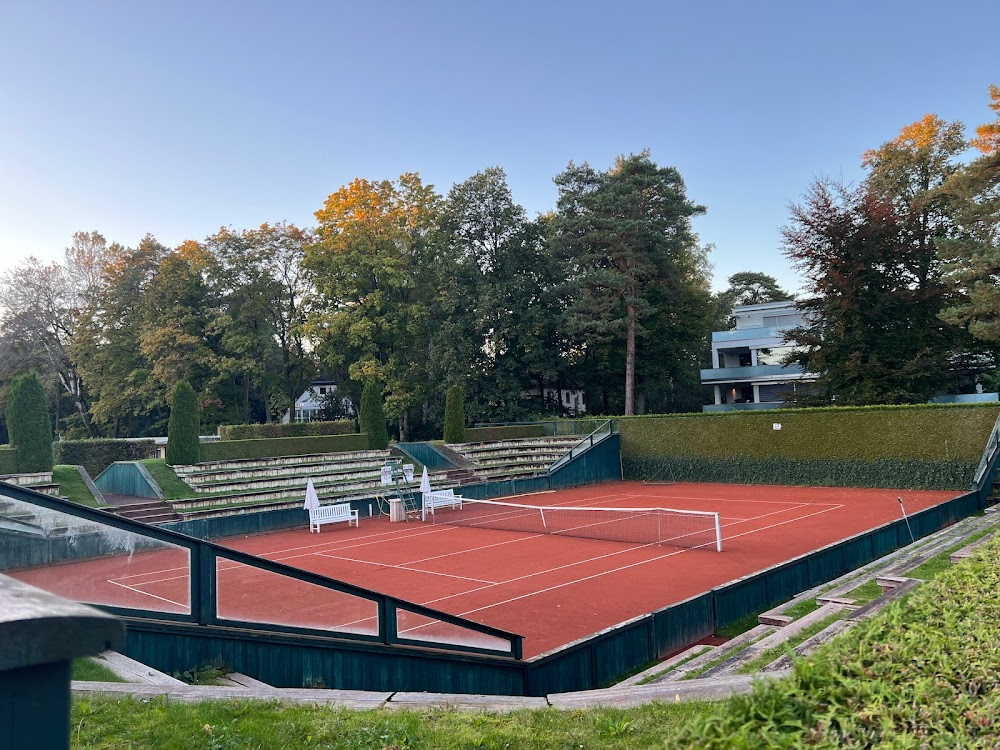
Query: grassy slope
{"points": [[86, 669], [165, 725], [72, 486], [923, 673], [173, 486]]}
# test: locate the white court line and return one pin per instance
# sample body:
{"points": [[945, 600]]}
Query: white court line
{"points": [[146, 593], [617, 570], [405, 566]]}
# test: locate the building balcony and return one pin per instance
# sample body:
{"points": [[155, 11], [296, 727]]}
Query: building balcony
{"points": [[748, 334], [742, 407], [758, 374]]}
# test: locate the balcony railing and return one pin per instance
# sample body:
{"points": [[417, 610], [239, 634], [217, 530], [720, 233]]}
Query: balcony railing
{"points": [[775, 373]]}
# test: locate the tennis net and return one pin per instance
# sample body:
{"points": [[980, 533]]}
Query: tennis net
{"points": [[677, 528]]}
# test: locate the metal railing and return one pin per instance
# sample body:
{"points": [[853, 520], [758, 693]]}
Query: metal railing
{"points": [[989, 454], [604, 430]]}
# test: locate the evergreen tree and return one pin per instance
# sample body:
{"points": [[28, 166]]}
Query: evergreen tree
{"points": [[454, 416], [373, 417], [183, 445], [28, 423], [625, 236]]}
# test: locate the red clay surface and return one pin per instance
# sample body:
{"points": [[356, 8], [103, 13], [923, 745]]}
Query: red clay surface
{"points": [[552, 590]]}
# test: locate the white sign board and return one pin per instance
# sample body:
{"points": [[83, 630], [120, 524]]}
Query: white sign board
{"points": [[776, 425], [408, 472], [386, 475]]}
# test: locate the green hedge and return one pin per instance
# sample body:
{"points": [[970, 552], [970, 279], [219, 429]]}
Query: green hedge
{"points": [[511, 432], [921, 673], [293, 429], [97, 455], [227, 450], [8, 459], [911, 473], [931, 432]]}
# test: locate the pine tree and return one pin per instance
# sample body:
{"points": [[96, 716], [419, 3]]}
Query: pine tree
{"points": [[28, 423], [454, 415], [373, 417], [183, 445]]}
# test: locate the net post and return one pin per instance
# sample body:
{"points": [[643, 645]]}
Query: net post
{"points": [[718, 534]]}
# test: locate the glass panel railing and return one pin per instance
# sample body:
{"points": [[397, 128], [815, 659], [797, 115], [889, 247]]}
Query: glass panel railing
{"points": [[92, 562], [248, 594], [411, 626]]}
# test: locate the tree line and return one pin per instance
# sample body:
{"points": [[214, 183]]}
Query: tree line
{"points": [[608, 293], [397, 285], [903, 270]]}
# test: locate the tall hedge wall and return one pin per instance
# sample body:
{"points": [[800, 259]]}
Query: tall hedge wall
{"points": [[226, 450], [926, 446], [293, 429], [509, 432], [97, 455], [8, 459]]}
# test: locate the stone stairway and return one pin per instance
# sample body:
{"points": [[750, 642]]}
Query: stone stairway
{"points": [[147, 511]]}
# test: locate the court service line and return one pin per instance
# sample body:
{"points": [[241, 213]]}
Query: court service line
{"points": [[146, 593], [598, 575], [404, 566]]}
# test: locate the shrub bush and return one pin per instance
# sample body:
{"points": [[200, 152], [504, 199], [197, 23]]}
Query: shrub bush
{"points": [[183, 442], [294, 429], [373, 417], [454, 415], [8, 459], [921, 673], [501, 432], [97, 455], [229, 450], [29, 423]]}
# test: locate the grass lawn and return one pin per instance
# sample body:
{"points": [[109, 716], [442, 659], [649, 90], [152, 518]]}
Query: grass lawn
{"points": [[72, 486], [87, 669], [174, 488], [160, 724]]}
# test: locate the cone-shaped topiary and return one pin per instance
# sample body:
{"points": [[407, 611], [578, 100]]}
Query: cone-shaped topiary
{"points": [[454, 415], [372, 417], [183, 445], [28, 423]]}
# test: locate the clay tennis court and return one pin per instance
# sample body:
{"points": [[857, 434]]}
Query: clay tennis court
{"points": [[551, 589]]}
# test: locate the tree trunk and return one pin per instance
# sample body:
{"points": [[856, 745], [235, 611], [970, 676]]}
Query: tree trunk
{"points": [[629, 360], [404, 426]]}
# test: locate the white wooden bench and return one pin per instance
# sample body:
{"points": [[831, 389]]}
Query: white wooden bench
{"points": [[440, 499], [331, 514]]}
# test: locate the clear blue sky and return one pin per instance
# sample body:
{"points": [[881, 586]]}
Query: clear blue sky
{"points": [[176, 118]]}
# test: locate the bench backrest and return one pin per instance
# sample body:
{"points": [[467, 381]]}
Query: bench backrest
{"points": [[331, 511]]}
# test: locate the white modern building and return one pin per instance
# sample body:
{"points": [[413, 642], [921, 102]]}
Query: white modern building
{"points": [[309, 405], [570, 400], [747, 370]]}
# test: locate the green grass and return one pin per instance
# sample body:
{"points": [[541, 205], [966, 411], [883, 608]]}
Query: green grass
{"points": [[88, 669], [738, 627], [866, 592], [174, 488], [72, 486], [933, 566], [160, 724], [802, 609], [721, 658], [920, 673], [766, 657], [675, 665]]}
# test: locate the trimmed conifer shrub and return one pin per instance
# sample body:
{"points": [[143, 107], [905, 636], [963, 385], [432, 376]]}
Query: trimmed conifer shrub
{"points": [[183, 426], [28, 423], [372, 416], [454, 415]]}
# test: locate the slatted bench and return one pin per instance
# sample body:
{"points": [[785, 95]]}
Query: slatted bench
{"points": [[441, 499], [331, 514]]}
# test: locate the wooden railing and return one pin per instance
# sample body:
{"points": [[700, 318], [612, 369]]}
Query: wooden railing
{"points": [[40, 635]]}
